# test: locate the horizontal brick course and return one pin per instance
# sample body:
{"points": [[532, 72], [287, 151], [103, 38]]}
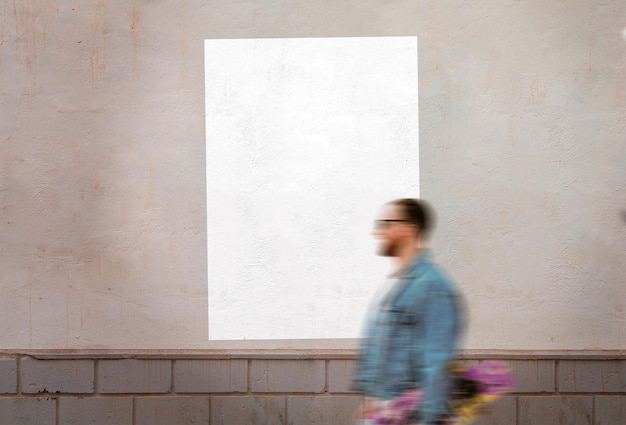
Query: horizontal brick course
{"points": [[172, 410], [95, 411], [56, 376], [592, 376], [210, 376], [233, 410], [134, 376], [282, 391], [293, 376], [8, 375]]}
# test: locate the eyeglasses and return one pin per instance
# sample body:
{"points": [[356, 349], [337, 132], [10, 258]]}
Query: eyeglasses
{"points": [[383, 224]]}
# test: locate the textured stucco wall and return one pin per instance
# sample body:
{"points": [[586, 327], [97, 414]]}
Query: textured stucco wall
{"points": [[102, 218]]}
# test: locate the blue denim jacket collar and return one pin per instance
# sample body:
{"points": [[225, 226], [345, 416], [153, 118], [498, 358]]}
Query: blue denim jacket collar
{"points": [[416, 268]]}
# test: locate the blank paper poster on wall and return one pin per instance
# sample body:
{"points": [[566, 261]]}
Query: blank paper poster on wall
{"points": [[306, 138]]}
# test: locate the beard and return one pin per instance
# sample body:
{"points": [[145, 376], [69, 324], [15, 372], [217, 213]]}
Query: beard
{"points": [[388, 249]]}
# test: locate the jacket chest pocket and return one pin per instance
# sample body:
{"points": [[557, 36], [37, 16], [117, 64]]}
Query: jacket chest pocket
{"points": [[402, 318]]}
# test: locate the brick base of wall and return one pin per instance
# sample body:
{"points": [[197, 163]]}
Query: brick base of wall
{"points": [[298, 388]]}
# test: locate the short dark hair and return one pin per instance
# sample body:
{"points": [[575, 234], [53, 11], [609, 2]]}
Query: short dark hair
{"points": [[417, 212]]}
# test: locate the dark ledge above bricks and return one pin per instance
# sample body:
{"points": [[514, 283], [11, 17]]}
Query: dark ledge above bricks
{"points": [[297, 353]]}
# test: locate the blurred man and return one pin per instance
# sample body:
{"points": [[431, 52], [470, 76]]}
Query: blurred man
{"points": [[414, 324]]}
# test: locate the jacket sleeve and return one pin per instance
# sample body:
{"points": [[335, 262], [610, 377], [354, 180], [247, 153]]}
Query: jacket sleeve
{"points": [[441, 327]]}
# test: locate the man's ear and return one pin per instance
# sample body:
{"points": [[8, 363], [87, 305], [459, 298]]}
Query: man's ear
{"points": [[416, 232]]}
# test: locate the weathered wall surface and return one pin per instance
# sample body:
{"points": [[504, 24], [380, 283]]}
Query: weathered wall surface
{"points": [[102, 218]]}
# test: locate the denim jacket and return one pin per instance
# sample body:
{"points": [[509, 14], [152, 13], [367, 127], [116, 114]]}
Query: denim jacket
{"points": [[411, 338]]}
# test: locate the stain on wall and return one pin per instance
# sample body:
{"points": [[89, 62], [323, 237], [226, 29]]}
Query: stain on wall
{"points": [[102, 209]]}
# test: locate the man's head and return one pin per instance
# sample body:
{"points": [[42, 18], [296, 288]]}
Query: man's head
{"points": [[403, 224]]}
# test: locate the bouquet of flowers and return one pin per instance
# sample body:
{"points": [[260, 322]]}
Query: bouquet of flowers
{"points": [[398, 411], [473, 388], [476, 386]]}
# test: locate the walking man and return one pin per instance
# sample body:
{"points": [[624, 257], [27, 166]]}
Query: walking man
{"points": [[414, 324]]}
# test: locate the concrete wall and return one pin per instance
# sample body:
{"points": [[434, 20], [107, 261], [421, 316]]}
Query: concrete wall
{"points": [[102, 218]]}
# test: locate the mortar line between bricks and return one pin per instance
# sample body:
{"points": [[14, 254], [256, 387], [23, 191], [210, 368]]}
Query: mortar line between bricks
{"points": [[279, 393], [133, 417], [557, 366], [57, 415], [571, 394], [96, 369], [210, 408], [172, 379], [326, 367], [286, 410], [18, 371], [593, 410], [248, 378]]}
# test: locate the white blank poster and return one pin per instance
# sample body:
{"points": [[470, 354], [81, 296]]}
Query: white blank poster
{"points": [[306, 138]]}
